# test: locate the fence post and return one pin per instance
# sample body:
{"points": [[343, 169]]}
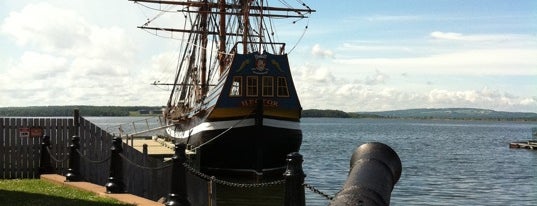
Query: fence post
{"points": [[294, 181], [115, 180], [73, 174], [45, 167], [178, 194], [76, 121]]}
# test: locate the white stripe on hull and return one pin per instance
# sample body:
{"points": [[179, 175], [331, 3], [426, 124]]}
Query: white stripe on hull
{"points": [[218, 125]]}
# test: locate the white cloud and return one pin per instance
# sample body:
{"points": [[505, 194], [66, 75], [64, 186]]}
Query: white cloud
{"points": [[446, 35], [333, 92], [476, 37], [67, 60], [377, 78], [37, 65], [312, 73], [484, 98], [469, 62], [448, 53], [320, 52], [372, 47], [393, 18], [45, 27]]}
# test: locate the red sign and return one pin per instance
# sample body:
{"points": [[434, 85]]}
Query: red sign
{"points": [[36, 132], [24, 132]]}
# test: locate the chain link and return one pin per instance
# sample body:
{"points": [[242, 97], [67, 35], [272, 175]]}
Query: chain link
{"points": [[143, 167], [317, 191], [93, 161], [201, 175], [54, 158], [230, 184], [254, 185]]}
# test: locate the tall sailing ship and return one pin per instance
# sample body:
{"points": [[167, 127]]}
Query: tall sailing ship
{"points": [[233, 100]]}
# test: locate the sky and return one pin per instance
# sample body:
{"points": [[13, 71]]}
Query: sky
{"points": [[355, 55]]}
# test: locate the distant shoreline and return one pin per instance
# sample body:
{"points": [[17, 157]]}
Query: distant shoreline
{"points": [[55, 111], [430, 114], [421, 114]]}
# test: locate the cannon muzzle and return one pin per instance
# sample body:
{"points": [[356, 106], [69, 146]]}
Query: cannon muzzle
{"points": [[374, 170]]}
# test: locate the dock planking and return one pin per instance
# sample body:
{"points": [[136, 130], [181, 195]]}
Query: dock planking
{"points": [[155, 146], [530, 144]]}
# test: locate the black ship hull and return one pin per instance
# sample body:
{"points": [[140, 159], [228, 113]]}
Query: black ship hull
{"points": [[251, 150]]}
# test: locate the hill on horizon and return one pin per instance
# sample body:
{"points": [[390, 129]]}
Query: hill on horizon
{"points": [[67, 110], [453, 113]]}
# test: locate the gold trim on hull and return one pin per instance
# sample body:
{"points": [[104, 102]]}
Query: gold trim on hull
{"points": [[237, 113]]}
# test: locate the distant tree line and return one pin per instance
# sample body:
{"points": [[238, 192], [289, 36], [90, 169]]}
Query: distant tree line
{"points": [[324, 113], [335, 114], [510, 119], [54, 111], [457, 114]]}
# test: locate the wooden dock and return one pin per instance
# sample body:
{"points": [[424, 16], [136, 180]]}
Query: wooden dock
{"points": [[530, 144], [156, 146]]}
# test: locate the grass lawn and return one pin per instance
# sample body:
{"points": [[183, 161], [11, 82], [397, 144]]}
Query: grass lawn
{"points": [[37, 192]]}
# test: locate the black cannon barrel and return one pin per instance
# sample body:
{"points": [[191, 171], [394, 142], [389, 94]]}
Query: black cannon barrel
{"points": [[375, 168]]}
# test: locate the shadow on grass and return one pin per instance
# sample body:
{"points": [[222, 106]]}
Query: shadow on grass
{"points": [[25, 198]]}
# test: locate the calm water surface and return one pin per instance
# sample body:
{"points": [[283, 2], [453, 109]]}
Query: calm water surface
{"points": [[444, 162]]}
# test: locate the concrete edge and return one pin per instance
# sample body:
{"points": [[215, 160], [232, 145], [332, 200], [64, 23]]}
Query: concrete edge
{"points": [[99, 190]]}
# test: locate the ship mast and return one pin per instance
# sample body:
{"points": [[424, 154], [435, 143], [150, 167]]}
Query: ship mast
{"points": [[261, 26], [222, 25], [204, 10], [246, 24], [225, 10], [222, 36]]}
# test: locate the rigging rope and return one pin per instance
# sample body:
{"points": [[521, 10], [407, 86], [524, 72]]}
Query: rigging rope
{"points": [[301, 36], [158, 15]]}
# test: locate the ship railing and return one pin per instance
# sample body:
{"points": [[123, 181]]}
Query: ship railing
{"points": [[281, 44], [148, 127]]}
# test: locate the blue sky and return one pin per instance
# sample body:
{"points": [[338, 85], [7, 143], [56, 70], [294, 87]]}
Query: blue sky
{"points": [[355, 55]]}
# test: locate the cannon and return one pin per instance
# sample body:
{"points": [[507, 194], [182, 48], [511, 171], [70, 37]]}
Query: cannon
{"points": [[375, 168]]}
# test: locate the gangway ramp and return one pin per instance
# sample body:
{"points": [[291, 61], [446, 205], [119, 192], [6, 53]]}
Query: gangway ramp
{"points": [[147, 127], [148, 131]]}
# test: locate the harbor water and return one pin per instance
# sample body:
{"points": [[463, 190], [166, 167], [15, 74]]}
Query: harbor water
{"points": [[445, 162]]}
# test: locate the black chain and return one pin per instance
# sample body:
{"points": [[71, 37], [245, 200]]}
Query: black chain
{"points": [[54, 158], [93, 161], [230, 184], [143, 167], [317, 191]]}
